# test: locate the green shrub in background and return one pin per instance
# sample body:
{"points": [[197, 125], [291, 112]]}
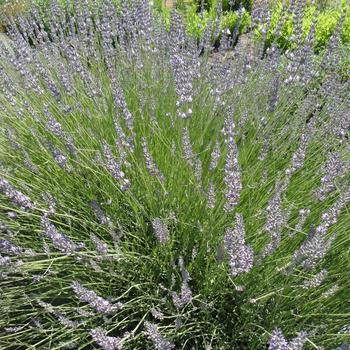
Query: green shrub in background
{"points": [[326, 23], [227, 5], [197, 21], [285, 35]]}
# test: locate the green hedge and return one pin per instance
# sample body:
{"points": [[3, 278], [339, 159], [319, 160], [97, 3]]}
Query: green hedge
{"points": [[326, 23]]}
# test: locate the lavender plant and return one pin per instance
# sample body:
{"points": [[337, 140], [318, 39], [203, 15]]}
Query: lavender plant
{"points": [[156, 194]]}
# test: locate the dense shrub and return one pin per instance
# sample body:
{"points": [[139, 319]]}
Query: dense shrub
{"points": [[156, 195], [282, 28], [280, 25], [227, 5]]}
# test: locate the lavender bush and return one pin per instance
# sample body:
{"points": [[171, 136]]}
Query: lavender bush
{"points": [[157, 195]]}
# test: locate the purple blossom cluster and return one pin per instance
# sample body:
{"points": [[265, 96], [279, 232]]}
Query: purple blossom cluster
{"points": [[185, 65], [18, 199], [316, 280], [279, 342], [150, 163], [277, 217], [215, 156], [99, 335], [332, 169], [187, 147], [240, 255], [232, 177], [59, 240], [159, 342], [317, 243], [160, 230], [7, 247], [303, 215], [96, 302], [102, 218], [185, 296], [114, 167], [211, 196], [101, 247]]}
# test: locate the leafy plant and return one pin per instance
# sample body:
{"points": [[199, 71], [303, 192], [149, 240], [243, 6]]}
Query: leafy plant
{"points": [[157, 195]]}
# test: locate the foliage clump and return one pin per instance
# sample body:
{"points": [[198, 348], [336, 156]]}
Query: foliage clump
{"points": [[157, 194]]}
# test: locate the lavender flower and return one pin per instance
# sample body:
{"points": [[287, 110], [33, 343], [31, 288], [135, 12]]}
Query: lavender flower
{"points": [[122, 143], [232, 169], [157, 339], [273, 99], [96, 302], [184, 273], [60, 158], [17, 198], [300, 154], [61, 318], [185, 297], [29, 164], [6, 247], [331, 291], [316, 245], [120, 102], [13, 329], [101, 247], [102, 218], [276, 219], [114, 167], [161, 230], [265, 148], [240, 255], [59, 240], [54, 126], [5, 261], [150, 163], [50, 201], [316, 280], [157, 314], [184, 63], [187, 147], [211, 196], [95, 266], [298, 342], [198, 171], [66, 322], [215, 156], [279, 342], [303, 215], [313, 249], [178, 322], [333, 168], [106, 342], [330, 216]]}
